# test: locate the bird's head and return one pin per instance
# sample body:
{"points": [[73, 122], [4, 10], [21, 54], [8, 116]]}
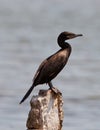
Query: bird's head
{"points": [[68, 35]]}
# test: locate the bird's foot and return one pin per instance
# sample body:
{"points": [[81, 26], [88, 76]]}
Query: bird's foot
{"points": [[55, 90]]}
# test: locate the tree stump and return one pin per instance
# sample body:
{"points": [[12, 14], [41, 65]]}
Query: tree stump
{"points": [[46, 111]]}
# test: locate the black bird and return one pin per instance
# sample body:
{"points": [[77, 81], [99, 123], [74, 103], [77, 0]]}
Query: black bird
{"points": [[51, 66]]}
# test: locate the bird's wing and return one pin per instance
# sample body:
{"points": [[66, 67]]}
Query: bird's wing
{"points": [[49, 68], [53, 67], [39, 70], [42, 65]]}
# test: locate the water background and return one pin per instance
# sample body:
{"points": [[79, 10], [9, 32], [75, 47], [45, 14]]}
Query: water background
{"points": [[28, 33]]}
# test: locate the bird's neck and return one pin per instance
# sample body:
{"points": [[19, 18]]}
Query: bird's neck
{"points": [[63, 44]]}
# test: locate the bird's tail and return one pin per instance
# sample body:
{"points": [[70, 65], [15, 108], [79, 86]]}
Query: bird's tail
{"points": [[27, 94]]}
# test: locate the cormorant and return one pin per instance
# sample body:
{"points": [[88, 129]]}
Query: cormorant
{"points": [[51, 66]]}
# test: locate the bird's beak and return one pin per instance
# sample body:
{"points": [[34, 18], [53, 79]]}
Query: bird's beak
{"points": [[78, 35]]}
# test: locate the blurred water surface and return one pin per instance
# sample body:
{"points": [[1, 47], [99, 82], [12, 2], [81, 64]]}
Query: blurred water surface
{"points": [[28, 33]]}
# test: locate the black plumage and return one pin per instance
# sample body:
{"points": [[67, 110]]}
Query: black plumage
{"points": [[51, 66]]}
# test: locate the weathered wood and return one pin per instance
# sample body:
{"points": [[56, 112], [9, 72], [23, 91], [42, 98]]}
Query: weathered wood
{"points": [[46, 111]]}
